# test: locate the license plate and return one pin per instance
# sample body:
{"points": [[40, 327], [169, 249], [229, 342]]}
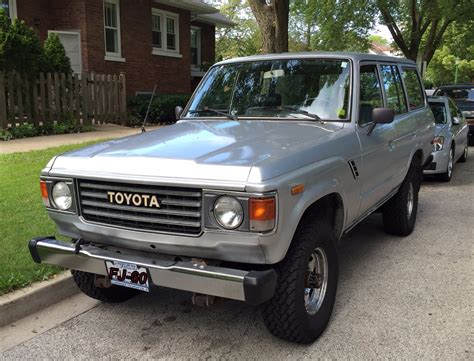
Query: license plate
{"points": [[128, 275]]}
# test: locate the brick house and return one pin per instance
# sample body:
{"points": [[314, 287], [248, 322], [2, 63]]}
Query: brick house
{"points": [[161, 42]]}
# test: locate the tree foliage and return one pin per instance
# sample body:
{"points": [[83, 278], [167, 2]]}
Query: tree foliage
{"points": [[242, 39], [418, 26], [331, 25], [457, 51], [20, 48], [54, 56]]}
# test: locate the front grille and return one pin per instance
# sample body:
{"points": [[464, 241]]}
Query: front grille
{"points": [[179, 208]]}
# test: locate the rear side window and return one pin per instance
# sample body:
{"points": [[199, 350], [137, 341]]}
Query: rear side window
{"points": [[393, 89], [370, 93], [416, 98], [439, 112]]}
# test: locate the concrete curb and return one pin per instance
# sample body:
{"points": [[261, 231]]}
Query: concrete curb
{"points": [[21, 303]]}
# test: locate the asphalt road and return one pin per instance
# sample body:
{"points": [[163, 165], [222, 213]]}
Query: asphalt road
{"points": [[398, 298]]}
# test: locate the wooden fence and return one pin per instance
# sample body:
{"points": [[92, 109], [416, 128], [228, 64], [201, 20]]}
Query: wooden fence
{"points": [[86, 98]]}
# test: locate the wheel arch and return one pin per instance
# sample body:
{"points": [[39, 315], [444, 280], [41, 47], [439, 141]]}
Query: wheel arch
{"points": [[330, 207]]}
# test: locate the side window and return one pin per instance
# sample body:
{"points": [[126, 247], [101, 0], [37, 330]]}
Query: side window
{"points": [[416, 99], [370, 93], [393, 89], [453, 109]]}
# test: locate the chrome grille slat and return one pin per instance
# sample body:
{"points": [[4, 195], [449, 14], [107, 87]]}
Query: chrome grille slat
{"points": [[179, 211], [142, 219], [140, 209]]}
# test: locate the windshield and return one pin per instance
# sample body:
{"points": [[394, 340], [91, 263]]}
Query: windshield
{"points": [[276, 89], [459, 94]]}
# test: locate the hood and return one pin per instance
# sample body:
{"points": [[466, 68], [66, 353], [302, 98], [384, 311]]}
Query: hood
{"points": [[200, 151]]}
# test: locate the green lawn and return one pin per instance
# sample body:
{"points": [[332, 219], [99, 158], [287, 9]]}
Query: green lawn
{"points": [[22, 216]]}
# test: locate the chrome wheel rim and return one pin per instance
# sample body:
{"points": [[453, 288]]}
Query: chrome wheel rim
{"points": [[316, 280], [410, 201], [450, 163]]}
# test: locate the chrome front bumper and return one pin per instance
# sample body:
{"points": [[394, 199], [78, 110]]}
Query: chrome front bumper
{"points": [[253, 287]]}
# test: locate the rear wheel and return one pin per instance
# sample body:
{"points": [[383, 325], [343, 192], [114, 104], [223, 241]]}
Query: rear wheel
{"points": [[446, 176], [304, 298], [111, 294], [399, 213]]}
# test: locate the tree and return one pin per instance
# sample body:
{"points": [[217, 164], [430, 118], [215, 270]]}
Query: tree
{"points": [[272, 19], [20, 48], [54, 56], [331, 25], [456, 55], [242, 39], [418, 26]]}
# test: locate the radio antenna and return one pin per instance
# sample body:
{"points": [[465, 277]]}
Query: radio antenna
{"points": [[148, 109]]}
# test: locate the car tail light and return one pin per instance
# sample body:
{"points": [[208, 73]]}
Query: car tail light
{"points": [[262, 213], [44, 193]]}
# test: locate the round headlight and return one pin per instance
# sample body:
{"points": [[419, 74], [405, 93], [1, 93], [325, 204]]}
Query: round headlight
{"points": [[62, 196], [228, 212]]}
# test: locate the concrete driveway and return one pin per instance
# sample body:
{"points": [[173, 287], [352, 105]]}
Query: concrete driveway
{"points": [[398, 298]]}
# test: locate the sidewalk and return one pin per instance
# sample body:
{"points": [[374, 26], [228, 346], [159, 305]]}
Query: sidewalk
{"points": [[103, 131]]}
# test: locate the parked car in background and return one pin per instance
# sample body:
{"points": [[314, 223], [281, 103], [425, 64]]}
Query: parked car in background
{"points": [[450, 143], [463, 96]]}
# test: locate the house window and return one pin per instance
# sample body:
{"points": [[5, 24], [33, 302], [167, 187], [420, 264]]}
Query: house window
{"points": [[195, 47], [165, 30], [112, 28], [157, 34], [9, 7]]}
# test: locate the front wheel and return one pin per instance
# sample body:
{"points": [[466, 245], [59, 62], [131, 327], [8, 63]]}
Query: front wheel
{"points": [[446, 176], [307, 282], [463, 158]]}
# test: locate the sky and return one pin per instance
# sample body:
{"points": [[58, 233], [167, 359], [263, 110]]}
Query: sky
{"points": [[383, 31]]}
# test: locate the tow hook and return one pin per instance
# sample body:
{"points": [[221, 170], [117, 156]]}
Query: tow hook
{"points": [[203, 300], [200, 299]]}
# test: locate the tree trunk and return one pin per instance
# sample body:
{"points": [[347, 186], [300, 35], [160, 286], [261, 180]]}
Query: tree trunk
{"points": [[272, 20]]}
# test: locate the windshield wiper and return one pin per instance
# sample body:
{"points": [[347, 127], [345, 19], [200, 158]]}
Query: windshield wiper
{"points": [[230, 116], [304, 112]]}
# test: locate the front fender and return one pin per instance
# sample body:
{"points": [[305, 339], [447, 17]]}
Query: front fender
{"points": [[324, 177]]}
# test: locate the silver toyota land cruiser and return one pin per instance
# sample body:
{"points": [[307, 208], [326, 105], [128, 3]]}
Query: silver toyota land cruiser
{"points": [[274, 158]]}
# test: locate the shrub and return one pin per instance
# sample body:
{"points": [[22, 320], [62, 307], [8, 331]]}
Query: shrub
{"points": [[23, 131], [54, 56], [161, 109], [20, 48]]}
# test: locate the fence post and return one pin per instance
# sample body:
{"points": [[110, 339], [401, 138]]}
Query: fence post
{"points": [[11, 100], [26, 87], [43, 98], [3, 103], [19, 93], [85, 99], [75, 98], [57, 98], [35, 104], [123, 100]]}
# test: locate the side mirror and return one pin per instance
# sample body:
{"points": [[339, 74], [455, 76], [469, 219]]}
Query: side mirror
{"points": [[177, 112], [381, 116], [456, 121]]}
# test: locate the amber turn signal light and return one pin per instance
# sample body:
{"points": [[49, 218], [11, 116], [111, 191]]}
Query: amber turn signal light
{"points": [[44, 193], [262, 212]]}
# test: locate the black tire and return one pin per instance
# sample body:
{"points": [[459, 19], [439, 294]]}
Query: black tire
{"points": [[285, 315], [113, 294], [463, 158], [397, 217], [446, 176]]}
